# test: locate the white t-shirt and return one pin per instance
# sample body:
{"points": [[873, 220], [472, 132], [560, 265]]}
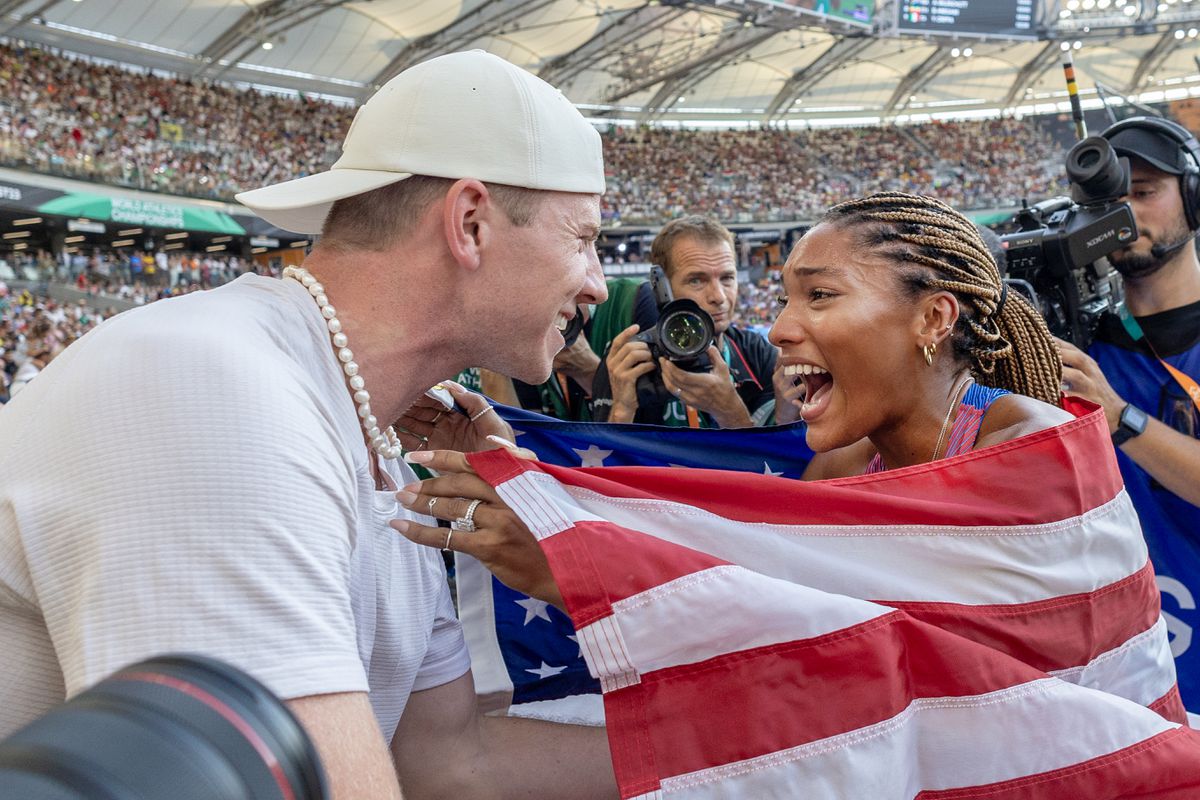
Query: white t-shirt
{"points": [[191, 477]]}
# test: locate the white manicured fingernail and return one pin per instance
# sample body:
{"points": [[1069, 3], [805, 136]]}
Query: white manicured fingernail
{"points": [[418, 457], [500, 440]]}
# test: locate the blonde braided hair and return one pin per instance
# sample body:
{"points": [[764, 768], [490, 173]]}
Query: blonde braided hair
{"points": [[1002, 336]]}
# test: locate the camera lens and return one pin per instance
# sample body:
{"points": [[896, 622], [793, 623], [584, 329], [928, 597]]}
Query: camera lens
{"points": [[1093, 168], [1089, 158], [179, 727], [685, 334]]}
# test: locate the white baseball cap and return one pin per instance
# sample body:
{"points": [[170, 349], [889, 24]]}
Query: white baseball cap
{"points": [[462, 115]]}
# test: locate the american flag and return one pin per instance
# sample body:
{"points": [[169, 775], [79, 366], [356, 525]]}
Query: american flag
{"points": [[524, 653], [984, 626]]}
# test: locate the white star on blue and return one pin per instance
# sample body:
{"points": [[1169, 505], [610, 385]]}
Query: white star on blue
{"points": [[546, 671], [593, 456], [534, 609]]}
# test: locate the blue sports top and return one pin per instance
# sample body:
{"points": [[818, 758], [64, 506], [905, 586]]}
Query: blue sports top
{"points": [[965, 429]]}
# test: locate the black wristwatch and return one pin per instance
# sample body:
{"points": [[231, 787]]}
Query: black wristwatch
{"points": [[1133, 423]]}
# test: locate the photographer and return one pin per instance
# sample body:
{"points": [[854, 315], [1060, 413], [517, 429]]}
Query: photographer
{"points": [[1154, 422], [697, 255]]}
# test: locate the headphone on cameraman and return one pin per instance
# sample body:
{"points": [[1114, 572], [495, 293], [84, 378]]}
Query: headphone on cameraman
{"points": [[1189, 180]]}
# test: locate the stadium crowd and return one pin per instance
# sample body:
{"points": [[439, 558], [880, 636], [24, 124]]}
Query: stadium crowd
{"points": [[34, 328], [737, 176], [758, 301], [114, 125], [82, 119], [131, 274]]}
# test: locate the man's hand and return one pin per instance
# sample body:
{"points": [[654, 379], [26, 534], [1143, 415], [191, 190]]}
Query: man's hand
{"points": [[789, 396], [712, 392], [627, 361], [1170, 457], [1082, 377], [578, 362]]}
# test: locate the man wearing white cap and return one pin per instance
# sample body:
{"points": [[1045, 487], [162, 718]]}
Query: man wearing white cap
{"points": [[214, 473]]}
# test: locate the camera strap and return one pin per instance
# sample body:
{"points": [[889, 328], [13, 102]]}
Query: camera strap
{"points": [[1185, 381], [556, 394], [693, 415]]}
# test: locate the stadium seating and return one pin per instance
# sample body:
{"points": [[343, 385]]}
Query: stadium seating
{"points": [[106, 123]]}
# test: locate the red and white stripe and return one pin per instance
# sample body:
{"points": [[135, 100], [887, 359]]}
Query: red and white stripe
{"points": [[885, 636]]}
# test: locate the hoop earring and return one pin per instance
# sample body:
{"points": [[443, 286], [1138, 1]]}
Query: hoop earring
{"points": [[929, 350]]}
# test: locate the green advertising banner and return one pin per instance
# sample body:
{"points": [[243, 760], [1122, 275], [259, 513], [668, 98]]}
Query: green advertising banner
{"points": [[150, 213]]}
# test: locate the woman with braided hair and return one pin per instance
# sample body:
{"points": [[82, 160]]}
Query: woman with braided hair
{"points": [[910, 348]]}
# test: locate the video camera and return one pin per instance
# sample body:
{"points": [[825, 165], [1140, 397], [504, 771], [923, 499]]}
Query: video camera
{"points": [[682, 335], [1057, 259]]}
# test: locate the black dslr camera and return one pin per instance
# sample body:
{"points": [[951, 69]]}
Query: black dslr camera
{"points": [[682, 335], [1057, 258], [183, 727]]}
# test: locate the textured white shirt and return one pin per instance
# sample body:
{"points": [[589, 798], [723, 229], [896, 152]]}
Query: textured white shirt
{"points": [[191, 477]]}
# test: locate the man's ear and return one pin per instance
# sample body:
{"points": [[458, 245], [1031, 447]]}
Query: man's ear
{"points": [[468, 221], [939, 314]]}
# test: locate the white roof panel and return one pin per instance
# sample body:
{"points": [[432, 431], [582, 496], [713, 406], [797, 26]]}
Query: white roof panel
{"points": [[729, 57]]}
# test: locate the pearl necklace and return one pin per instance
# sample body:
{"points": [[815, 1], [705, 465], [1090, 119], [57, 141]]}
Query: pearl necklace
{"points": [[383, 442]]}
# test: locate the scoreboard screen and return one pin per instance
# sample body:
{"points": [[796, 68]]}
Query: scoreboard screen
{"points": [[978, 17]]}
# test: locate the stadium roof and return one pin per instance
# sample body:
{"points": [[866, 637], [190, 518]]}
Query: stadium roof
{"points": [[648, 60]]}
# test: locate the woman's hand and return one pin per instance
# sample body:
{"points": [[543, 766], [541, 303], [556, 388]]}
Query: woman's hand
{"points": [[429, 425], [789, 396], [498, 539]]}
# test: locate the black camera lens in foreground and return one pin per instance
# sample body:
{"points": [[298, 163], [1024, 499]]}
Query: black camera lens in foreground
{"points": [[177, 727], [1095, 171], [686, 334]]}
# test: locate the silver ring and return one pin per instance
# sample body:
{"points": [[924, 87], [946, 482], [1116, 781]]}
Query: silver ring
{"points": [[432, 500], [467, 521], [480, 413], [437, 417], [446, 546]]}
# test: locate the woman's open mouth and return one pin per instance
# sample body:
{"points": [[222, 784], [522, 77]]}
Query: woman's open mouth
{"points": [[818, 388]]}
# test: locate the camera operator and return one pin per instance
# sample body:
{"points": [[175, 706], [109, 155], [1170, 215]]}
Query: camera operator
{"points": [[696, 253], [1154, 422]]}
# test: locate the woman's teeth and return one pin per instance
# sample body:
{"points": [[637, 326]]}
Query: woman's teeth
{"points": [[804, 369], [561, 322]]}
